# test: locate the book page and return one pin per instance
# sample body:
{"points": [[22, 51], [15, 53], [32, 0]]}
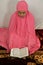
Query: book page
{"points": [[15, 52], [24, 52]]}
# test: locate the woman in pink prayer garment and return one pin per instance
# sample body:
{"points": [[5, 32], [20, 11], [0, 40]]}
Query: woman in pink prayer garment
{"points": [[22, 30]]}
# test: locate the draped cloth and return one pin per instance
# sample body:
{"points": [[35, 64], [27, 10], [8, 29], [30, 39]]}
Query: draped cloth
{"points": [[22, 30]]}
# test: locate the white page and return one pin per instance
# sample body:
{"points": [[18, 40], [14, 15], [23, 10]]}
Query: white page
{"points": [[15, 52], [24, 52]]}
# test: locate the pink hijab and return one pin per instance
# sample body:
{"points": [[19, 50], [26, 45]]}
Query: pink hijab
{"points": [[22, 31]]}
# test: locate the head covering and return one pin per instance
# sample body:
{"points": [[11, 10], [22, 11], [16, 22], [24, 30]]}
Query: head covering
{"points": [[22, 6], [22, 31]]}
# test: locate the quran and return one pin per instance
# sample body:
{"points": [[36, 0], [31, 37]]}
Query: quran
{"points": [[20, 53]]}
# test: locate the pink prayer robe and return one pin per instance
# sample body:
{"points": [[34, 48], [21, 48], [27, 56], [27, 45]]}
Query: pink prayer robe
{"points": [[22, 30]]}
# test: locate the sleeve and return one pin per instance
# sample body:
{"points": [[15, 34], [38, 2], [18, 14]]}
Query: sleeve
{"points": [[12, 32], [14, 39], [34, 43]]}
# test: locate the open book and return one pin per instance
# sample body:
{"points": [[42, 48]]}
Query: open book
{"points": [[20, 53]]}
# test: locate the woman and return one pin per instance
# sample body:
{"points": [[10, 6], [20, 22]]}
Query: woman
{"points": [[21, 29]]}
